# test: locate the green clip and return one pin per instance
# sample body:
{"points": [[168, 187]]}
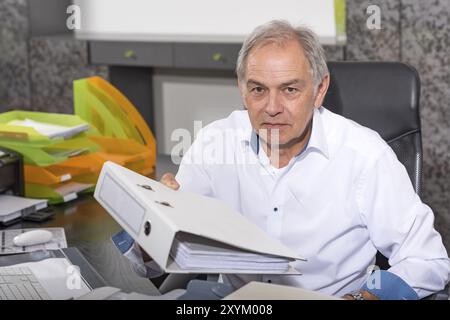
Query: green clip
{"points": [[129, 54], [217, 57]]}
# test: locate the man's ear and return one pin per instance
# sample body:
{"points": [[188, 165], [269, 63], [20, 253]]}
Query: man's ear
{"points": [[322, 91]]}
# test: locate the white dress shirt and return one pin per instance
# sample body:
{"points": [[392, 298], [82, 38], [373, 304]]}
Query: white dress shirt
{"points": [[344, 197]]}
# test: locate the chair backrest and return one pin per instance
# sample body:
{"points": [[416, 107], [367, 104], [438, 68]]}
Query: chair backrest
{"points": [[383, 96]]}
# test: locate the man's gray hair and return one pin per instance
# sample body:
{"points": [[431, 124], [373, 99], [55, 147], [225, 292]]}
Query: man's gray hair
{"points": [[279, 32]]}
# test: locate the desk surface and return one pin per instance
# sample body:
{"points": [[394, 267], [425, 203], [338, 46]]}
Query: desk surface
{"points": [[89, 228]]}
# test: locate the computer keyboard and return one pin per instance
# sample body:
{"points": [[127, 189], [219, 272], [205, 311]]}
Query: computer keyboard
{"points": [[19, 283]]}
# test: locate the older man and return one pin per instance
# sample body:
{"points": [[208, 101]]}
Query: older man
{"points": [[323, 185]]}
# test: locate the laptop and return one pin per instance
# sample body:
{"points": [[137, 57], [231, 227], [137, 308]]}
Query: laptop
{"points": [[47, 275]]}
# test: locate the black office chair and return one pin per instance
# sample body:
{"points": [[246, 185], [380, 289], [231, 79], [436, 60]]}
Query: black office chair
{"points": [[383, 96]]}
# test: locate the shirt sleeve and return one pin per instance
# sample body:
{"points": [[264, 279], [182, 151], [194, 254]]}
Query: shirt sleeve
{"points": [[401, 227], [193, 173], [393, 288], [130, 249]]}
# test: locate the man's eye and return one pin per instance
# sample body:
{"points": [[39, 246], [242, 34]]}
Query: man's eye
{"points": [[257, 89], [291, 90]]}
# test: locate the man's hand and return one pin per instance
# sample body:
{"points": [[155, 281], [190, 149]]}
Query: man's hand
{"points": [[366, 295], [168, 180]]}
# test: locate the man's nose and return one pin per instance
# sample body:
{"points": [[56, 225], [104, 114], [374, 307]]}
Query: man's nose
{"points": [[274, 104]]}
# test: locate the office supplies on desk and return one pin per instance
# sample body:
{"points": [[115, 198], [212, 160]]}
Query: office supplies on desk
{"points": [[155, 216], [125, 136], [58, 193], [44, 148], [14, 207], [40, 216], [41, 127], [64, 273], [58, 173], [32, 237], [58, 241], [11, 172], [20, 283], [51, 130]]}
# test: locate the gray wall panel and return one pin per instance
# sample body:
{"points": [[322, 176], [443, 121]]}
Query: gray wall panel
{"points": [[14, 71]]}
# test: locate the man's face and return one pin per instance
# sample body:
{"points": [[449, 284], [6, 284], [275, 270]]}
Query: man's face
{"points": [[278, 91]]}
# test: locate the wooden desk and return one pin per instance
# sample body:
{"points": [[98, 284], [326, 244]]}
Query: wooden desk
{"points": [[89, 228]]}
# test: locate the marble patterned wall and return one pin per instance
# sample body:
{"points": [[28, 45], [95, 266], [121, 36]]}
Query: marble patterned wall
{"points": [[36, 73], [14, 70], [366, 44], [54, 63]]}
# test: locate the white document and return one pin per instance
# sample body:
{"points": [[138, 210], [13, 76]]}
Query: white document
{"points": [[266, 291], [13, 207], [67, 153], [69, 190], [51, 130], [72, 187], [59, 278], [158, 218], [7, 246], [191, 253]]}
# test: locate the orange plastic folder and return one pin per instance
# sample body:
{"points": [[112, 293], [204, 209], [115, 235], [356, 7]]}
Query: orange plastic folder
{"points": [[86, 168], [125, 137], [127, 153], [59, 173]]}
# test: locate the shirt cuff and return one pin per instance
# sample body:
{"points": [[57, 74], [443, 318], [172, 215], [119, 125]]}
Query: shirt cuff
{"points": [[387, 286], [123, 241], [130, 249]]}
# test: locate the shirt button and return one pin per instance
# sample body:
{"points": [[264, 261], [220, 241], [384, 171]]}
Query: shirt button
{"points": [[275, 209]]}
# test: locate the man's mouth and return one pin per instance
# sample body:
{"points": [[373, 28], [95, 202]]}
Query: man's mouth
{"points": [[273, 125]]}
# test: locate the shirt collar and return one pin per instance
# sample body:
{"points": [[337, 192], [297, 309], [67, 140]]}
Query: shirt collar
{"points": [[317, 140]]}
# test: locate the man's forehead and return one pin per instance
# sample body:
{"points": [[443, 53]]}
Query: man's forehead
{"points": [[277, 72], [275, 76], [275, 61]]}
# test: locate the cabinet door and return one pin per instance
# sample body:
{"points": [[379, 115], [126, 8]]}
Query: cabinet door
{"points": [[207, 56], [151, 54]]}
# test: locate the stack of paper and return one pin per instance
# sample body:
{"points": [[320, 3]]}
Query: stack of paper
{"points": [[13, 207], [191, 252], [51, 130]]}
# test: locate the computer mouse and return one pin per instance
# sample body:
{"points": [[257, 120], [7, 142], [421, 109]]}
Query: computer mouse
{"points": [[32, 237]]}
